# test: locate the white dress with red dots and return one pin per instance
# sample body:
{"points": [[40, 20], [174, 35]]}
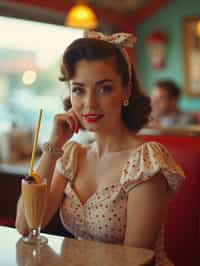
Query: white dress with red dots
{"points": [[103, 216]]}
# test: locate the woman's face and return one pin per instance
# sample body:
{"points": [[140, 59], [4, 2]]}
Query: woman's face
{"points": [[97, 95]]}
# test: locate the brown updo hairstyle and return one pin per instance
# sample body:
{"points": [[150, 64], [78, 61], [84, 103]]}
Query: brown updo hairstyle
{"points": [[136, 114]]}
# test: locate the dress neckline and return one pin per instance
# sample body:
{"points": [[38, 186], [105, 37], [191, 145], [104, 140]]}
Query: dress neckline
{"points": [[90, 198], [93, 195], [93, 147]]}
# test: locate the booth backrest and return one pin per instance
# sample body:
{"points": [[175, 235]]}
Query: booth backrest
{"points": [[182, 229], [9, 194]]}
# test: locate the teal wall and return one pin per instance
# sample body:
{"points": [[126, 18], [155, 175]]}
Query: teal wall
{"points": [[168, 19]]}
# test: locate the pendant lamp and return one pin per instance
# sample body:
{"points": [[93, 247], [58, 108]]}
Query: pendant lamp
{"points": [[198, 28], [81, 15]]}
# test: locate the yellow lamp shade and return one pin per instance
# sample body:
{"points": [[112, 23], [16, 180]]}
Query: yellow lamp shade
{"points": [[198, 28], [81, 16]]}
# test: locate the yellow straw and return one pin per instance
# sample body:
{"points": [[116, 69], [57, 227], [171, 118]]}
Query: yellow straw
{"points": [[35, 143]]}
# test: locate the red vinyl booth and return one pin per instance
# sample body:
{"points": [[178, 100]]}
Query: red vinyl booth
{"points": [[182, 229]]}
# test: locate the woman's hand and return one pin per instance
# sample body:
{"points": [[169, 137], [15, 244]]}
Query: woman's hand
{"points": [[65, 125]]}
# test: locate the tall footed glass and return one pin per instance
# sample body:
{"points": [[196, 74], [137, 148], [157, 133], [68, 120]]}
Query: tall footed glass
{"points": [[34, 196]]}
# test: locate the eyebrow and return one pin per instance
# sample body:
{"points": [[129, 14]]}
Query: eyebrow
{"points": [[99, 82], [102, 81]]}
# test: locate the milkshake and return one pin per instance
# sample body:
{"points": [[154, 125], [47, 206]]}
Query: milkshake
{"points": [[34, 196]]}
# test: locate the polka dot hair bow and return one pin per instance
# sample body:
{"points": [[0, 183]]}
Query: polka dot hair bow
{"points": [[121, 39]]}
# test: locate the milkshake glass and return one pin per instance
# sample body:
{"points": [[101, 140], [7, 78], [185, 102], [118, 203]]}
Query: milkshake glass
{"points": [[34, 196]]}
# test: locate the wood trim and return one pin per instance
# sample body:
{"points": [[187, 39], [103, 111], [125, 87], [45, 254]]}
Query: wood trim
{"points": [[123, 22], [186, 61], [35, 13], [148, 10], [47, 4], [107, 15], [187, 43]]}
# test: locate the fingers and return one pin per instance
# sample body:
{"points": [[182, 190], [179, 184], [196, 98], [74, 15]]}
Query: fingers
{"points": [[69, 118], [22, 229], [74, 120], [70, 122], [25, 232]]}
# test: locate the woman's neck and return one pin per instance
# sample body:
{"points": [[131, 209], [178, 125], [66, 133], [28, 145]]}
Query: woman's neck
{"points": [[116, 141]]}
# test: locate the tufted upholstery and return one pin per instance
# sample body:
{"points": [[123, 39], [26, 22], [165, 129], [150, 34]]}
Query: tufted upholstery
{"points": [[182, 229]]}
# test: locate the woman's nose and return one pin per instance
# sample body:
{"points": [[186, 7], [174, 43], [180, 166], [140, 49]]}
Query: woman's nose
{"points": [[91, 100]]}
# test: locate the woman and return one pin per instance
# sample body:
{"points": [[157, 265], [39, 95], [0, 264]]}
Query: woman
{"points": [[116, 189]]}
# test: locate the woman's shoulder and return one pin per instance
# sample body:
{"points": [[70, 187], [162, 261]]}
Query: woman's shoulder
{"points": [[150, 143], [72, 144], [150, 148], [151, 155], [149, 159], [68, 163], [137, 144]]}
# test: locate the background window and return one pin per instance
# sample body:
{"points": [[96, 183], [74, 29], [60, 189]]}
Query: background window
{"points": [[30, 54]]}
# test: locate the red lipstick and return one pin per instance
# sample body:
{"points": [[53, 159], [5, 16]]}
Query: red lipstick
{"points": [[92, 118]]}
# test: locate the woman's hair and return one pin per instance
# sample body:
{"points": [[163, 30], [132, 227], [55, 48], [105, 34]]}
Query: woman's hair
{"points": [[136, 114]]}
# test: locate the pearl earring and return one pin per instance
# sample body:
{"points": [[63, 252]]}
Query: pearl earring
{"points": [[125, 102]]}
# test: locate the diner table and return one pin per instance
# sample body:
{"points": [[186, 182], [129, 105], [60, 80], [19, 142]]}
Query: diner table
{"points": [[67, 251]]}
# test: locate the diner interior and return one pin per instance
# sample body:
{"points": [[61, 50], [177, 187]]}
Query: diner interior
{"points": [[34, 34]]}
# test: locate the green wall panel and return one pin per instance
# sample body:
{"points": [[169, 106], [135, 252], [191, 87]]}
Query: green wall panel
{"points": [[168, 19]]}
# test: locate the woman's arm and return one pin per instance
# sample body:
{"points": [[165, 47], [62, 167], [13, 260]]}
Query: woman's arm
{"points": [[64, 127], [56, 185], [55, 196], [147, 204]]}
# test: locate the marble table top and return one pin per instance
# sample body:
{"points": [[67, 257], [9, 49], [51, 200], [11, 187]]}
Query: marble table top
{"points": [[65, 251]]}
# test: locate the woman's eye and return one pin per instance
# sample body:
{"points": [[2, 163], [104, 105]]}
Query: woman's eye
{"points": [[76, 90], [104, 89]]}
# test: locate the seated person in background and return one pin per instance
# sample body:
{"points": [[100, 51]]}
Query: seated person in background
{"points": [[115, 189], [165, 111]]}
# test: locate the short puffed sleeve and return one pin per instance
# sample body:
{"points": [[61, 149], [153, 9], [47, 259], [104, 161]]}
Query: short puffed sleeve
{"points": [[148, 160], [67, 164]]}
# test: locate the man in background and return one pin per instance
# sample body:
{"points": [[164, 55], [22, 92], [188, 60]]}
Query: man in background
{"points": [[165, 111]]}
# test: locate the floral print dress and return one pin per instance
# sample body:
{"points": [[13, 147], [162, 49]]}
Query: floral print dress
{"points": [[103, 216]]}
